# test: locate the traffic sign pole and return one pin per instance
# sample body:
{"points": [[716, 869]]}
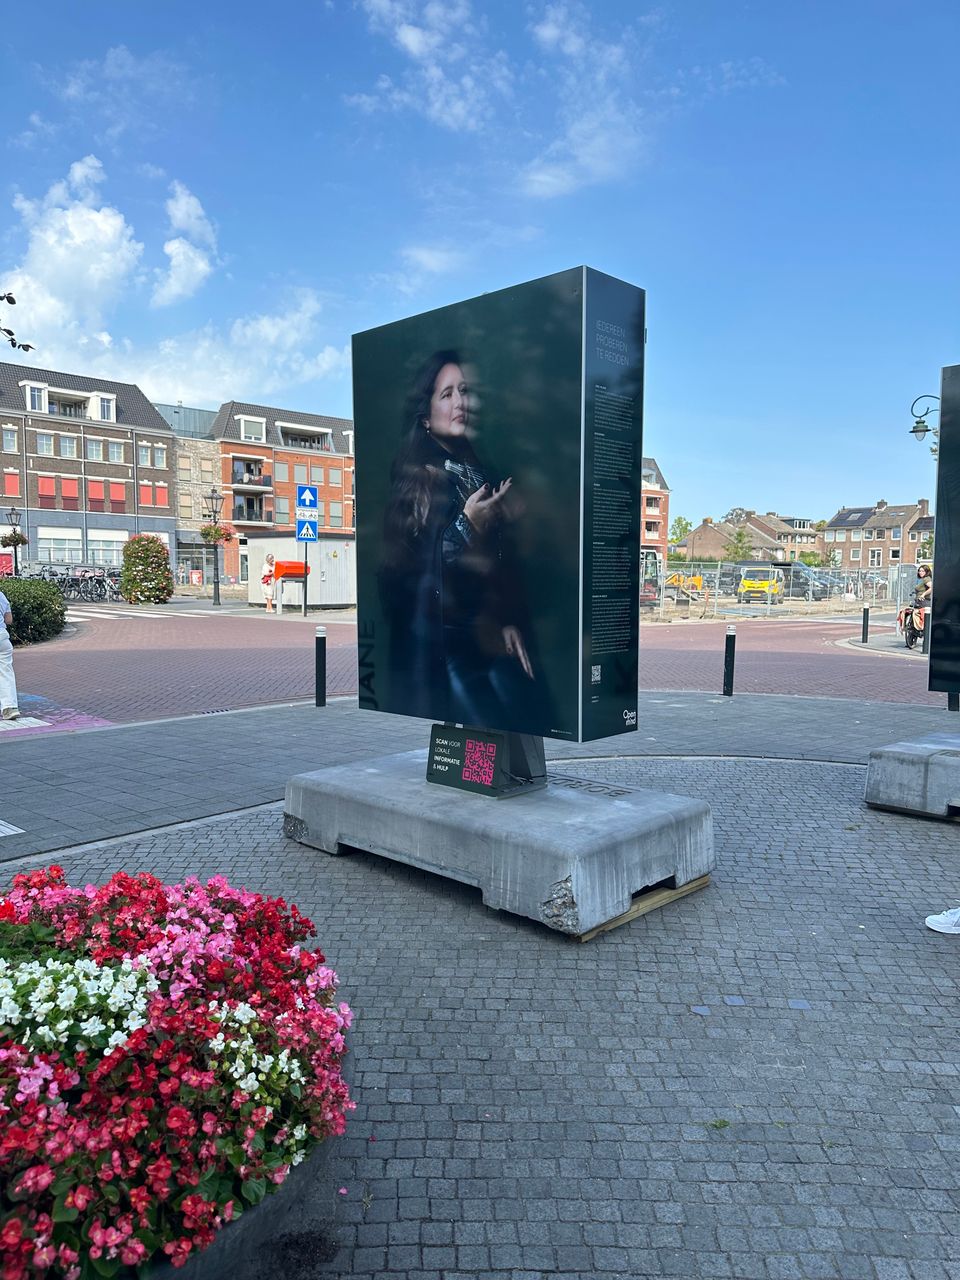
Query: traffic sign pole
{"points": [[304, 579]]}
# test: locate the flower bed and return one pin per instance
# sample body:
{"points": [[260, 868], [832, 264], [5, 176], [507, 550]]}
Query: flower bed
{"points": [[167, 1054]]}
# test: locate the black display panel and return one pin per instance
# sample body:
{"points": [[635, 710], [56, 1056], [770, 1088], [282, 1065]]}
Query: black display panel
{"points": [[497, 453], [944, 673]]}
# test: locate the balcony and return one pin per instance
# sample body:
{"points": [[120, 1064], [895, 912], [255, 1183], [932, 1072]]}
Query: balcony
{"points": [[247, 477], [251, 511], [308, 444]]}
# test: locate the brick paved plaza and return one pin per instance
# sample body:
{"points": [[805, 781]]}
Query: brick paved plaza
{"points": [[759, 1081], [207, 661]]}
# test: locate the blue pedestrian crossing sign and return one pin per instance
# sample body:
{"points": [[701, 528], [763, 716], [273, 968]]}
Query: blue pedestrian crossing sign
{"points": [[307, 497], [307, 531]]}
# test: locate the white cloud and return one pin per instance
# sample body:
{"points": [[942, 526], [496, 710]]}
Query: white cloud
{"points": [[80, 257], [189, 264], [600, 126], [38, 130], [189, 267], [124, 92], [452, 79], [187, 216], [83, 263], [434, 259], [148, 170]]}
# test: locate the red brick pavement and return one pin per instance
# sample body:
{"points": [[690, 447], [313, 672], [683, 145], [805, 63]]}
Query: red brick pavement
{"points": [[800, 658], [130, 669]]}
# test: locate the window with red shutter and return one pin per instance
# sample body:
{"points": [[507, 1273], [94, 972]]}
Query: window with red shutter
{"points": [[70, 494], [46, 491], [162, 499], [146, 495], [95, 495], [118, 497], [11, 484]]}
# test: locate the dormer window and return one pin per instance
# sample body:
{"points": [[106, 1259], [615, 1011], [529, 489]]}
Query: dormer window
{"points": [[108, 408], [253, 430], [35, 396]]}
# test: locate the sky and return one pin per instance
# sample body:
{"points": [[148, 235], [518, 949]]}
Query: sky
{"points": [[208, 200]]}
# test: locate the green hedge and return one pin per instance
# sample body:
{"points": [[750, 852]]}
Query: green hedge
{"points": [[38, 609]]}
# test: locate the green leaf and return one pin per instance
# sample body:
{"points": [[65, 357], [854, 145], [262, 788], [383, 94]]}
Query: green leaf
{"points": [[63, 1214], [254, 1189], [105, 1266]]}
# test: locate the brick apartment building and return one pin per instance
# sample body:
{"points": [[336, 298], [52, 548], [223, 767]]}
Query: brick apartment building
{"points": [[654, 508], [88, 463], [878, 537], [256, 455], [773, 537]]}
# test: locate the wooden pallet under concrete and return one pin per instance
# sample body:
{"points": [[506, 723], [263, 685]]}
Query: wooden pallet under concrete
{"points": [[647, 900]]}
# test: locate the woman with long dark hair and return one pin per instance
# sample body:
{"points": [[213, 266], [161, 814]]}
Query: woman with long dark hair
{"points": [[460, 648]]}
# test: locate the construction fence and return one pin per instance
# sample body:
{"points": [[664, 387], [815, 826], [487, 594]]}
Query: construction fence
{"points": [[747, 589]]}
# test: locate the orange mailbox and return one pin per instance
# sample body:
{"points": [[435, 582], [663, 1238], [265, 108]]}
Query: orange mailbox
{"points": [[289, 569]]}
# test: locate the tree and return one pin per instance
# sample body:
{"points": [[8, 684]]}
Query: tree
{"points": [[7, 334], [740, 546], [814, 559], [679, 529], [736, 516], [925, 549], [145, 577]]}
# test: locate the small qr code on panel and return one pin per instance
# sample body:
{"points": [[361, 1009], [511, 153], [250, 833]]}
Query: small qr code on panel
{"points": [[595, 674], [478, 762]]}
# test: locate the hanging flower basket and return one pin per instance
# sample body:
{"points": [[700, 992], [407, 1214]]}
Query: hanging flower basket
{"points": [[167, 1054], [217, 533], [14, 539]]}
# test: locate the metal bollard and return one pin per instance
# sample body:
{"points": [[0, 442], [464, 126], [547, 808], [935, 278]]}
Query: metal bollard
{"points": [[321, 666], [866, 625], [729, 657], [953, 701], [927, 623]]}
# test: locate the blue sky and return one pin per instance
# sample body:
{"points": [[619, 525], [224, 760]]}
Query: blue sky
{"points": [[209, 200]]}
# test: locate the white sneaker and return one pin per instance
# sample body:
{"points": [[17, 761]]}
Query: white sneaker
{"points": [[945, 922], [11, 713]]}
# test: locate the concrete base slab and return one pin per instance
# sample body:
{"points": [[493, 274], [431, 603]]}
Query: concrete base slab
{"points": [[571, 856], [920, 776]]}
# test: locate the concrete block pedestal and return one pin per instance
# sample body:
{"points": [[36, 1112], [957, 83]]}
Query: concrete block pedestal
{"points": [[571, 856], [919, 776]]}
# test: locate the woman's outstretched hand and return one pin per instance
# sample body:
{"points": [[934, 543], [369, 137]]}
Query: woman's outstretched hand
{"points": [[513, 643], [487, 506]]}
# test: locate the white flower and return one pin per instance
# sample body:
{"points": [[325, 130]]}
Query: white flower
{"points": [[248, 1084], [9, 1010], [117, 1038], [92, 1026], [300, 1132], [67, 997]]}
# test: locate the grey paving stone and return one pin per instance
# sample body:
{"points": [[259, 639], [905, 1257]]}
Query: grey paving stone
{"points": [[538, 1104]]}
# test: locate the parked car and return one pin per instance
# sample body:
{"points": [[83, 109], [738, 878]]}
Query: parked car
{"points": [[803, 585]]}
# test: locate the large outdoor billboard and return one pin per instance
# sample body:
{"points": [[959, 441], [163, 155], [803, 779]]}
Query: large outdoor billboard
{"points": [[498, 446], [945, 632]]}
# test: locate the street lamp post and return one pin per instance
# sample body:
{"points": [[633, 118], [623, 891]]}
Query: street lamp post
{"points": [[213, 504], [13, 520], [920, 424]]}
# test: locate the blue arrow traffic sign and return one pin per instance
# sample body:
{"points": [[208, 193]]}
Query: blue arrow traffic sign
{"points": [[307, 531], [307, 496]]}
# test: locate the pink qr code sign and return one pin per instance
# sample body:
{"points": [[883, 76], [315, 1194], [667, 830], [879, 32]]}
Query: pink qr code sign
{"points": [[478, 762]]}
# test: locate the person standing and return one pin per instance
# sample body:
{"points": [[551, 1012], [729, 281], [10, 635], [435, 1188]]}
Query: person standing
{"points": [[8, 684], [267, 581]]}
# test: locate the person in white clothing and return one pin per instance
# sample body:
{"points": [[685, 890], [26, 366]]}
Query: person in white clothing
{"points": [[8, 683], [267, 581]]}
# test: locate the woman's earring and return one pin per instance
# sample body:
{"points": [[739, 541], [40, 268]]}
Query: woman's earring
{"points": [[426, 425]]}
